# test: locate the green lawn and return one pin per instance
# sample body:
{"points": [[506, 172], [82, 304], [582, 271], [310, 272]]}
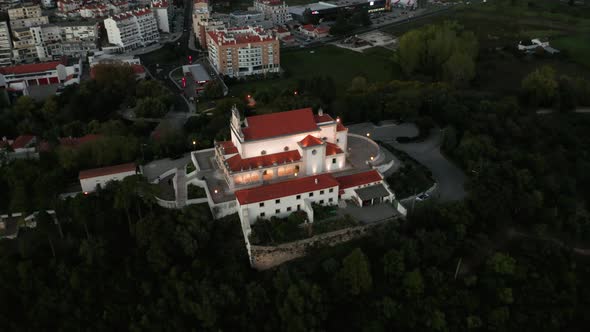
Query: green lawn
{"points": [[340, 64], [577, 47]]}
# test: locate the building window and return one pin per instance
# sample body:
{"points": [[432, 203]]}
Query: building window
{"points": [[330, 200], [298, 207], [261, 204], [321, 201], [321, 192], [331, 190], [289, 209], [333, 160], [286, 148], [278, 211], [298, 197], [263, 152], [338, 140], [310, 194], [262, 214], [314, 152], [277, 201]]}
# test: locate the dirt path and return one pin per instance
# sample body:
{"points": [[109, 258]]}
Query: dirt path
{"points": [[512, 233]]}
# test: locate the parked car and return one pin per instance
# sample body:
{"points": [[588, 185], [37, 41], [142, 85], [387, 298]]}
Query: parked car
{"points": [[422, 197]]}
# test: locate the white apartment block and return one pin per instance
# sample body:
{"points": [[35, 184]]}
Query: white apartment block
{"points": [[275, 10], [132, 29], [163, 14], [5, 45], [26, 16], [49, 42]]}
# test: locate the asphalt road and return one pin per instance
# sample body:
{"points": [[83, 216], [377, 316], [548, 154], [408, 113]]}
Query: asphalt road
{"points": [[450, 178]]}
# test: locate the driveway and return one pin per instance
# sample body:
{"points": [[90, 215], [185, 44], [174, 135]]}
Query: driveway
{"points": [[450, 178], [157, 167]]}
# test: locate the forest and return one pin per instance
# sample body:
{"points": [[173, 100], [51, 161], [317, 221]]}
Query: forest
{"points": [[513, 256]]}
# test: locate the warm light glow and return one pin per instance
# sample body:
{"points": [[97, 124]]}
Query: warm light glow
{"points": [[194, 142], [85, 193], [338, 119], [295, 173], [368, 135], [295, 92], [215, 191], [372, 158], [249, 96]]}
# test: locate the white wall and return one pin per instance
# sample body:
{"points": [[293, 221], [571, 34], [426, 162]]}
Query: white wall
{"points": [[254, 210], [314, 163], [342, 140], [328, 131], [89, 185], [340, 162]]}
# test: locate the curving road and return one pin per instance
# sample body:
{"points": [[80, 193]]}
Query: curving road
{"points": [[450, 178]]}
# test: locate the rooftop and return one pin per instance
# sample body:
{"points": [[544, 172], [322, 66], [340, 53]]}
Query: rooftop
{"points": [[285, 188], [235, 36], [227, 147], [30, 68], [359, 179], [95, 172], [279, 124], [309, 141], [22, 141]]}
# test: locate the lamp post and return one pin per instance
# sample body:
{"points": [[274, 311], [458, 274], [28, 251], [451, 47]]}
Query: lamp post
{"points": [[368, 138]]}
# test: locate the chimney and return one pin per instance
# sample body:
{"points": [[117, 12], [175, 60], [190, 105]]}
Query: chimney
{"points": [[320, 112], [316, 180]]}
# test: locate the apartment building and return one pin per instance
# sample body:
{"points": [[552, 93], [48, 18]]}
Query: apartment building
{"points": [[5, 45], [26, 16], [163, 13], [132, 29], [52, 41], [275, 10], [7, 4], [239, 52]]}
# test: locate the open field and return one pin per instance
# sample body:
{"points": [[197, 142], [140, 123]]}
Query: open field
{"points": [[340, 64], [577, 46]]}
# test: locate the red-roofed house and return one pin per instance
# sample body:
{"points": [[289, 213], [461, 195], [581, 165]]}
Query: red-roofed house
{"points": [[99, 177], [21, 144], [280, 145], [314, 31], [21, 77]]}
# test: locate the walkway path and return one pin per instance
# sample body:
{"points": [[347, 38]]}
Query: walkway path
{"points": [[580, 251], [181, 194]]}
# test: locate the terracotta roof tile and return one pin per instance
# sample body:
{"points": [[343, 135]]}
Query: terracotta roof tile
{"points": [[92, 173], [279, 124], [227, 147], [310, 141], [358, 179], [332, 149], [22, 141], [285, 188], [30, 68]]}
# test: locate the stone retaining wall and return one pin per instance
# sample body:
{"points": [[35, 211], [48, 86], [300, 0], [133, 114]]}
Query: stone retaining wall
{"points": [[266, 257]]}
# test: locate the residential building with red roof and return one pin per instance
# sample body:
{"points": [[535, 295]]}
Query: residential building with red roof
{"points": [[239, 52], [24, 78], [132, 29], [92, 179], [315, 31]]}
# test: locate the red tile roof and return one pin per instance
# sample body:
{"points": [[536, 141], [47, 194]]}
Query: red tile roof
{"points": [[76, 141], [22, 141], [237, 164], [138, 69], [358, 179], [322, 29], [340, 127], [92, 173], [323, 118], [279, 124], [30, 68], [227, 147], [308, 27], [310, 141], [285, 188], [332, 149]]}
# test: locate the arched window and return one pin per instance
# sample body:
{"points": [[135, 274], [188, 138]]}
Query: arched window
{"points": [[314, 152], [263, 152]]}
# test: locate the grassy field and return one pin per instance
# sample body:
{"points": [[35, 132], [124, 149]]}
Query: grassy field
{"points": [[577, 47], [340, 64]]}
